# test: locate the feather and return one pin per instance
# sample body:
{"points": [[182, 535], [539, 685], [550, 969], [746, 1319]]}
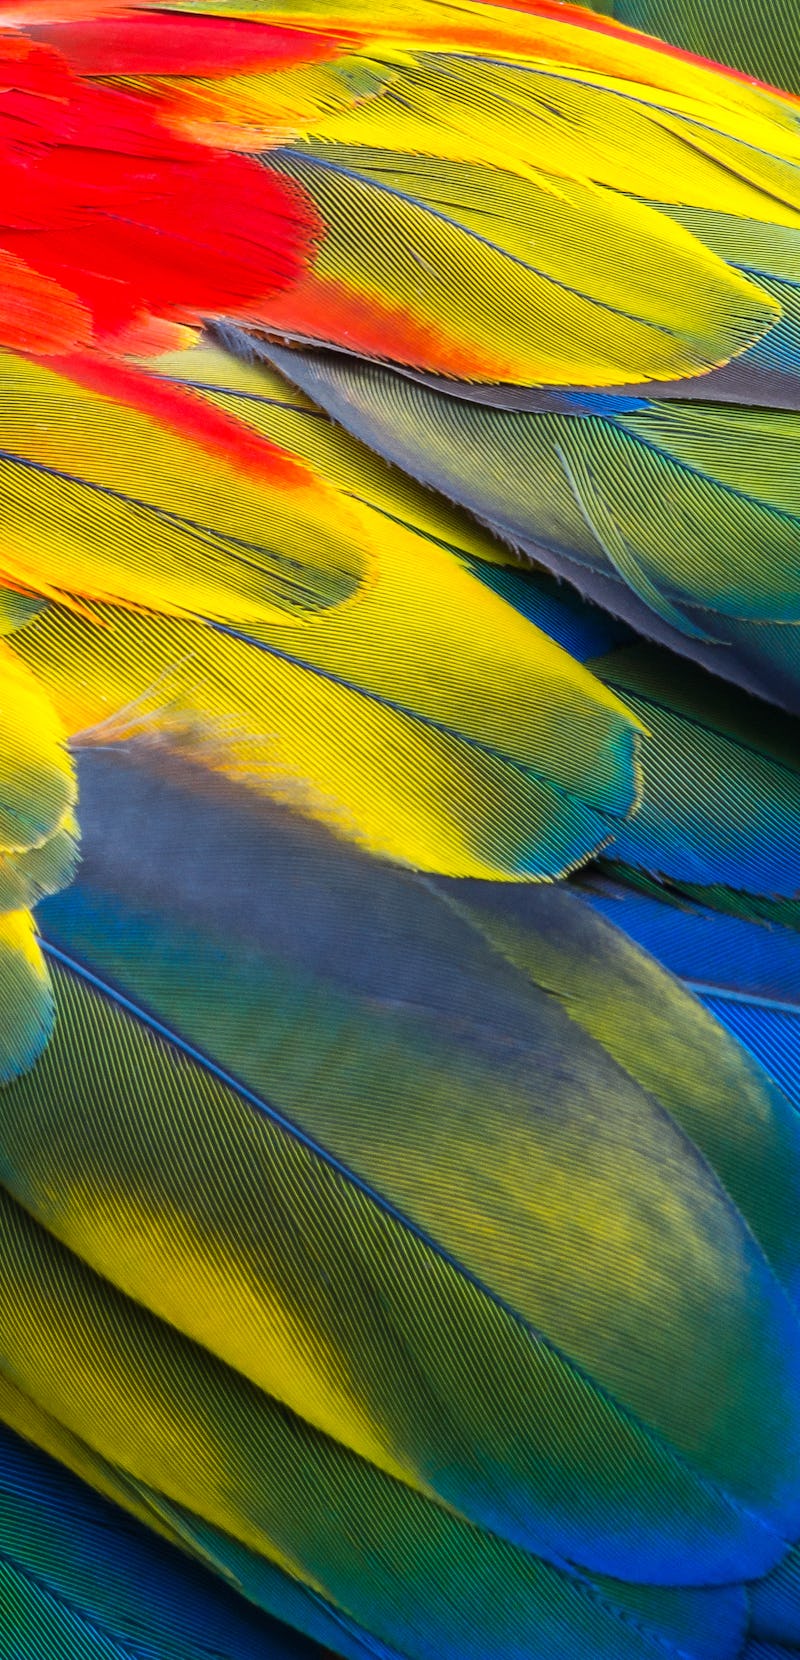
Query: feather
{"points": [[99, 222], [758, 39], [37, 853], [269, 1477], [26, 1009], [772, 1035], [443, 271], [602, 980], [145, 44], [776, 1604], [720, 802], [768, 1651], [256, 1580], [722, 591], [718, 816], [738, 951], [715, 823], [722, 798], [327, 650], [38, 789], [396, 1238], [362, 1197], [745, 968], [362, 1010], [431, 152], [770, 255], [72, 1571]]}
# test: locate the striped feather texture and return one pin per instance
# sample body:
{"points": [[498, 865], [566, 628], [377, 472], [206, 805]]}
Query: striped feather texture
{"points": [[99, 232], [404, 1248], [758, 39], [72, 1571], [374, 1424], [718, 817], [468, 193], [776, 1604], [744, 966], [228, 1620], [311, 624], [679, 520], [432, 154], [37, 849]]}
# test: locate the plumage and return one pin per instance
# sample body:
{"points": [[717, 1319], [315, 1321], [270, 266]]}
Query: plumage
{"points": [[399, 553], [700, 556], [37, 849], [296, 627], [332, 1092], [755, 40]]}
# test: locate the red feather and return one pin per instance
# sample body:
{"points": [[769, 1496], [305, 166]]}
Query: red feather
{"points": [[99, 198], [181, 411], [169, 44]]}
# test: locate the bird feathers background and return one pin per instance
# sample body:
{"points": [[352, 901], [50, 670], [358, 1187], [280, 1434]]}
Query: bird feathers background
{"points": [[399, 582]]}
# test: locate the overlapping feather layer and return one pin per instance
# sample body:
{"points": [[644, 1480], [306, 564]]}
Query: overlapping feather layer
{"points": [[386, 1231], [396, 1327]]}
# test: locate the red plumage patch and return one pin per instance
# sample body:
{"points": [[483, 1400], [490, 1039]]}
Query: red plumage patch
{"points": [[107, 206], [37, 315], [136, 43]]}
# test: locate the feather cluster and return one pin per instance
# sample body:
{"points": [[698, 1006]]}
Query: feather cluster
{"points": [[399, 516]]}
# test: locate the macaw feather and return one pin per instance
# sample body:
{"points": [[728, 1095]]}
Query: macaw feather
{"points": [[426, 260], [449, 158], [99, 225], [349, 1011], [326, 641], [722, 799], [396, 1244], [73, 1569], [38, 835], [681, 519], [256, 1466], [776, 1604], [753, 37], [742, 961], [26, 1007]]}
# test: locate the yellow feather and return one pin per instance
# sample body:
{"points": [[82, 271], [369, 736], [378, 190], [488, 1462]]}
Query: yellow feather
{"points": [[405, 703], [37, 788]]}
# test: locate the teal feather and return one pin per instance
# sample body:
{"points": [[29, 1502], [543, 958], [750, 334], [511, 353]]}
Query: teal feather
{"points": [[700, 555], [73, 1569]]}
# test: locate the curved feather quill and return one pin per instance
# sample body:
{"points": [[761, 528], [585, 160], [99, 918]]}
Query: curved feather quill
{"points": [[680, 520]]}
